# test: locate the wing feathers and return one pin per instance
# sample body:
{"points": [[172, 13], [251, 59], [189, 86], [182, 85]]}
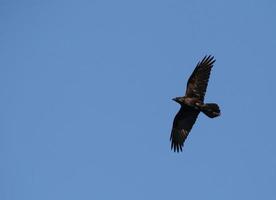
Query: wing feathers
{"points": [[183, 123], [198, 81]]}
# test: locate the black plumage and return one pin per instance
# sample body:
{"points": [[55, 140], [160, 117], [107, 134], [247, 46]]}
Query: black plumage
{"points": [[193, 103]]}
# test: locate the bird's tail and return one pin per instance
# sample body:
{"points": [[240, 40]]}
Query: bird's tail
{"points": [[211, 110]]}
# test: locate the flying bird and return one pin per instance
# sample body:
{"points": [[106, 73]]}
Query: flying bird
{"points": [[193, 103]]}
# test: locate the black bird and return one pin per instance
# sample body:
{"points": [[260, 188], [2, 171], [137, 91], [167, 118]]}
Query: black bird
{"points": [[193, 103]]}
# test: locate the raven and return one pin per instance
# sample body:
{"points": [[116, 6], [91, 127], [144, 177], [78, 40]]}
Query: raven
{"points": [[193, 103]]}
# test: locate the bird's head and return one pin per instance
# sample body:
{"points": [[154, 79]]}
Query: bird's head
{"points": [[179, 100]]}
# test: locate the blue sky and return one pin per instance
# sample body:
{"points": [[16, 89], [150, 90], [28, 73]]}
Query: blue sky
{"points": [[86, 109]]}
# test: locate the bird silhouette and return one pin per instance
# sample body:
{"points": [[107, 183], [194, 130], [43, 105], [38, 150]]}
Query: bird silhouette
{"points": [[193, 103]]}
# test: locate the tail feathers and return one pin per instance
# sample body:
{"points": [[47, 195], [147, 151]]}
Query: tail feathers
{"points": [[211, 110]]}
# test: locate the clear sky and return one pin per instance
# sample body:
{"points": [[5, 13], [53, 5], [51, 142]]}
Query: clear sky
{"points": [[86, 109]]}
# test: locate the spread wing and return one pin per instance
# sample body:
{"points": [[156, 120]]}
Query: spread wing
{"points": [[182, 125], [198, 81]]}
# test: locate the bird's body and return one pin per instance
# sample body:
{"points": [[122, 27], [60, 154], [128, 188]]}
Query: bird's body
{"points": [[193, 103]]}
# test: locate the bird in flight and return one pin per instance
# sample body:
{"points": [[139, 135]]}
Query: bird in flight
{"points": [[193, 103]]}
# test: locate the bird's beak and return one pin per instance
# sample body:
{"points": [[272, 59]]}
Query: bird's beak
{"points": [[175, 99]]}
